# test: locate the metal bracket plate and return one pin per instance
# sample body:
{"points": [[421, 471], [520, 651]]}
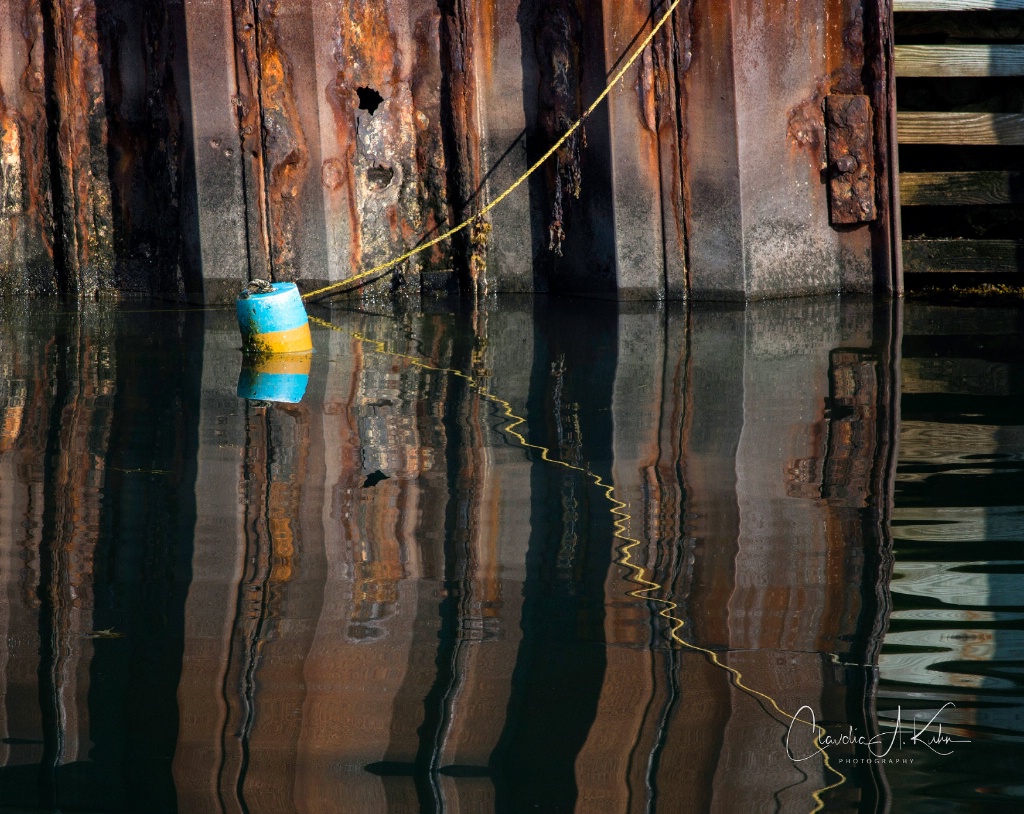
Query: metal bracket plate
{"points": [[851, 159]]}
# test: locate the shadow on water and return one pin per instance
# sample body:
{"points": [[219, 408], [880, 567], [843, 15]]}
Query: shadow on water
{"points": [[100, 439], [409, 592]]}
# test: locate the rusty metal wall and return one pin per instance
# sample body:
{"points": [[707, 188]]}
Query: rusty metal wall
{"points": [[26, 225], [179, 147], [756, 162]]}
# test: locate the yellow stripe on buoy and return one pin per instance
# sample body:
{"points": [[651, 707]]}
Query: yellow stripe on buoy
{"points": [[295, 340]]}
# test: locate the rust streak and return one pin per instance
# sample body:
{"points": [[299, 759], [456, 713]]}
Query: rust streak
{"points": [[38, 206], [430, 157], [389, 149], [284, 144], [559, 103], [250, 127], [462, 132], [487, 37], [674, 53], [806, 124], [81, 147]]}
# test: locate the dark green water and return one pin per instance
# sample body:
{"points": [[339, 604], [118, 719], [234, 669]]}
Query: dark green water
{"points": [[414, 591]]}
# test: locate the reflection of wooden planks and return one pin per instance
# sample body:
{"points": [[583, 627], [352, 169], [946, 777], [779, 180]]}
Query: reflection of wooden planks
{"points": [[962, 255], [928, 321], [973, 377], [957, 5], [959, 60], [960, 128], [939, 442], [961, 188]]}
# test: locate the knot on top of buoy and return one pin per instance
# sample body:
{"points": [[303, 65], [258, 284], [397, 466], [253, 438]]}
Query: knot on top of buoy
{"points": [[256, 287]]}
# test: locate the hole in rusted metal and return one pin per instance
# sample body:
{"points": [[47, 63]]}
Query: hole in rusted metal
{"points": [[378, 176], [369, 100]]}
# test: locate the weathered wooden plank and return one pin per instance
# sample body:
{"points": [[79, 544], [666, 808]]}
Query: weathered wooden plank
{"points": [[979, 26], [962, 256], [956, 5], [961, 188], [960, 128], [959, 60]]}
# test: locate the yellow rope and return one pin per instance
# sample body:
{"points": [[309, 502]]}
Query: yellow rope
{"points": [[621, 521], [518, 182]]}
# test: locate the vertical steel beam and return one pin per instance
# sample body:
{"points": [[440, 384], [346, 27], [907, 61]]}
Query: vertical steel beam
{"points": [[288, 105], [461, 133], [382, 161], [220, 242], [609, 206], [248, 39], [887, 233], [26, 217], [716, 248], [81, 186], [143, 58], [506, 106], [633, 146], [330, 170], [760, 72]]}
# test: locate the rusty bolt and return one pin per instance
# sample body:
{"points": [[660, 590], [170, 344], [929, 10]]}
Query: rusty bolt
{"points": [[845, 164]]}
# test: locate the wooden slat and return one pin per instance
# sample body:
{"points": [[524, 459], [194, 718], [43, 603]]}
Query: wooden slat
{"points": [[960, 60], [961, 188], [960, 128], [978, 26], [962, 256], [956, 5]]}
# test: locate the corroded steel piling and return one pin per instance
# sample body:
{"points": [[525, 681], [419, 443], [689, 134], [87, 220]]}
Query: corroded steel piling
{"points": [[143, 50], [26, 227], [78, 144], [182, 147]]}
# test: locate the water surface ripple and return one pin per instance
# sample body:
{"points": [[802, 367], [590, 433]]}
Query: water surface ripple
{"points": [[551, 555]]}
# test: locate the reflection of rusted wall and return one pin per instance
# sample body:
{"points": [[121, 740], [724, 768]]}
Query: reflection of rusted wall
{"points": [[88, 542], [768, 514], [460, 631], [51, 499], [318, 660], [180, 147]]}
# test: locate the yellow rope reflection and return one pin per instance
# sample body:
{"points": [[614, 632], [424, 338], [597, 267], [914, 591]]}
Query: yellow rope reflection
{"points": [[648, 588]]}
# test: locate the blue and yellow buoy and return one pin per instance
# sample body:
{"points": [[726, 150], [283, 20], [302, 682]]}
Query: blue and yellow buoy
{"points": [[273, 319], [279, 377]]}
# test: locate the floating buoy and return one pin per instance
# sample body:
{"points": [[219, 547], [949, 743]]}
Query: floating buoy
{"points": [[273, 319], [279, 377]]}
